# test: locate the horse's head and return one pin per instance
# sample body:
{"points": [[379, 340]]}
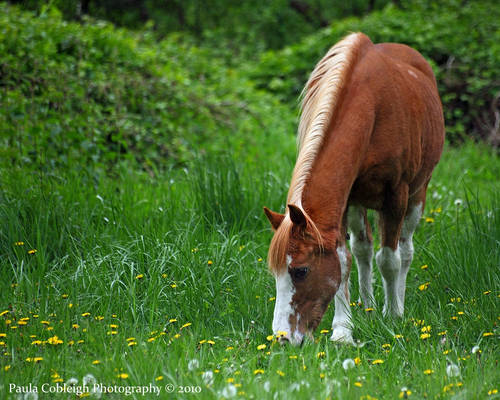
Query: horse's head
{"points": [[307, 271]]}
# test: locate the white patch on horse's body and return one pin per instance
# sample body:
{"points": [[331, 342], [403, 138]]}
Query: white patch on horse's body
{"points": [[341, 325], [412, 73], [389, 264], [283, 308], [362, 249], [410, 223]]}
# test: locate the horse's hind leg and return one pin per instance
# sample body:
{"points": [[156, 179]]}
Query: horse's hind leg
{"points": [[362, 248], [388, 257], [413, 214]]}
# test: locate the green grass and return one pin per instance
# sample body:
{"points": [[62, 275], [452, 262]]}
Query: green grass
{"points": [[136, 253]]}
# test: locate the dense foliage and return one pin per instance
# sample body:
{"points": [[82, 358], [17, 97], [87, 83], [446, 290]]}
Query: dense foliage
{"points": [[95, 94], [461, 39]]}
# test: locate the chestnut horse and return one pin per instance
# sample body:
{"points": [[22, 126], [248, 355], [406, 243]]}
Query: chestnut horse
{"points": [[371, 132]]}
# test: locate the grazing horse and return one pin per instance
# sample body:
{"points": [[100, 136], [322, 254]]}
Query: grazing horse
{"points": [[371, 132]]}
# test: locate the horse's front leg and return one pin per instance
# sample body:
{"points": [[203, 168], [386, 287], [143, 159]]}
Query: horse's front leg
{"points": [[342, 325], [388, 258]]}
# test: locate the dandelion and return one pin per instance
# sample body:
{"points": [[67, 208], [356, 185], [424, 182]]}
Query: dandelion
{"points": [[159, 378], [173, 285], [386, 346], [475, 350], [3, 313], [261, 347], [378, 361], [211, 342], [208, 377], [423, 286], [358, 384], [123, 375], [398, 336], [404, 393], [193, 364], [229, 391], [357, 361], [425, 336], [428, 372], [452, 370], [186, 325], [348, 363], [34, 359], [321, 354], [32, 251], [486, 334], [292, 357], [458, 202], [487, 292], [140, 276], [85, 314], [324, 331], [429, 220], [96, 362], [6, 368], [272, 298], [492, 392], [54, 340], [19, 244], [280, 373], [270, 338], [89, 380], [424, 266], [258, 371], [369, 309], [281, 334]]}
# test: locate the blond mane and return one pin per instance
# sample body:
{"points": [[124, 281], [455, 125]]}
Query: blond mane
{"points": [[320, 97]]}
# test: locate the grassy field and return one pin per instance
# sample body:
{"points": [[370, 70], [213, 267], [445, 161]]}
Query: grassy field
{"points": [[141, 281]]}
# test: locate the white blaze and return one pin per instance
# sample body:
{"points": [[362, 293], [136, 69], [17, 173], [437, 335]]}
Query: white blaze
{"points": [[283, 308]]}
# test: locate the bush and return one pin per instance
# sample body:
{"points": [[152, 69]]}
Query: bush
{"points": [[94, 95], [460, 38]]}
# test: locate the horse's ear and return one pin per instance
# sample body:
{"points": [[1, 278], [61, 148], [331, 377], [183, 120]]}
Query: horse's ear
{"points": [[297, 216], [274, 218]]}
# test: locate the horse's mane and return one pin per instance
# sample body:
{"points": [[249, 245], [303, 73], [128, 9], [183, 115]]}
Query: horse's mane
{"points": [[320, 97]]}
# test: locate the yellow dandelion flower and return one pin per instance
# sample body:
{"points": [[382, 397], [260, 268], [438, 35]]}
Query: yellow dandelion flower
{"points": [[230, 380], [151, 339], [487, 292], [186, 325], [261, 347], [492, 391], [258, 371], [123, 375], [54, 340], [280, 373], [130, 344], [22, 323], [426, 328], [442, 333], [424, 266], [428, 372], [228, 348], [3, 313], [36, 342], [113, 326], [429, 220], [321, 375], [386, 346], [259, 259], [358, 384], [423, 286], [404, 393], [3, 335], [321, 354], [270, 337], [446, 352], [32, 251], [280, 334], [6, 368], [177, 336], [272, 298], [369, 309], [357, 361], [81, 341], [293, 357], [19, 244], [34, 359], [485, 334], [172, 320], [173, 285], [140, 276], [64, 296], [460, 313], [398, 336], [71, 343], [163, 276], [378, 361], [75, 326], [425, 336], [210, 342], [202, 341], [130, 339], [159, 378], [70, 305], [96, 362], [324, 331], [209, 262], [85, 314]]}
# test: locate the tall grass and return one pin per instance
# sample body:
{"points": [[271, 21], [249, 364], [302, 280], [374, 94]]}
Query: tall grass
{"points": [[146, 256]]}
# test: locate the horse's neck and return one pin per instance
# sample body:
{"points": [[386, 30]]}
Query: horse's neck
{"points": [[334, 171]]}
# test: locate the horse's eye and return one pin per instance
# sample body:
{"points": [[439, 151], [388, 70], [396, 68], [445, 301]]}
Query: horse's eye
{"points": [[299, 274]]}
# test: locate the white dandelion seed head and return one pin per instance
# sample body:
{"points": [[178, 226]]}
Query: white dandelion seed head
{"points": [[229, 391], [89, 380], [458, 202], [404, 389], [72, 382], [208, 377], [267, 386], [305, 383], [475, 349], [31, 396], [193, 364], [452, 370], [294, 387], [322, 366], [348, 363]]}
